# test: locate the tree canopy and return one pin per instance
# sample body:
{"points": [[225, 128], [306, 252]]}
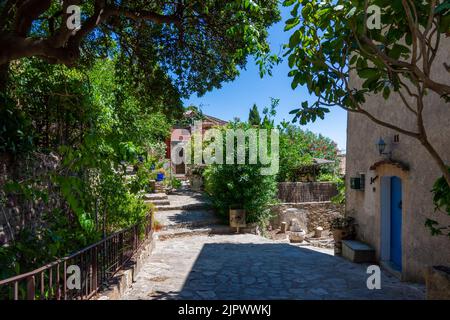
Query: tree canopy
{"points": [[332, 40], [198, 43], [254, 117]]}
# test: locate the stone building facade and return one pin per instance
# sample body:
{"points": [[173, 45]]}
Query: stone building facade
{"points": [[396, 199], [181, 134]]}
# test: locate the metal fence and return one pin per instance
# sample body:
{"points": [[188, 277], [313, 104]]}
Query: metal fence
{"points": [[96, 264]]}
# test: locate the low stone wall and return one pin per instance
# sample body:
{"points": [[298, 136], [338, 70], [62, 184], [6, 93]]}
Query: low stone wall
{"points": [[300, 192], [310, 214]]}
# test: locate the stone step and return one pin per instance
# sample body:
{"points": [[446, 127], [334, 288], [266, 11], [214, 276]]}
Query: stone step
{"points": [[130, 170], [155, 196], [182, 218], [189, 206], [186, 232], [158, 203], [357, 251], [192, 225], [181, 178]]}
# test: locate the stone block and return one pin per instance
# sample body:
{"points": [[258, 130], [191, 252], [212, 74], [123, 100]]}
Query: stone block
{"points": [[437, 280], [283, 227], [318, 232], [357, 251]]}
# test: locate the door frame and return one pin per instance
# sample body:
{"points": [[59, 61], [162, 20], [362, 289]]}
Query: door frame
{"points": [[385, 236], [385, 223]]}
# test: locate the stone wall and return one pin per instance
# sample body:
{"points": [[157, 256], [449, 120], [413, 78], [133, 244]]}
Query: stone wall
{"points": [[420, 250], [299, 192], [18, 212], [310, 215]]}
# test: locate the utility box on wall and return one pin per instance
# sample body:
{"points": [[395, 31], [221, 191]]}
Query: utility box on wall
{"points": [[357, 183]]}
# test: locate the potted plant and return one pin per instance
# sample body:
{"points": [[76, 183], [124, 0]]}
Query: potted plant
{"points": [[237, 217], [160, 175], [196, 178], [343, 228]]}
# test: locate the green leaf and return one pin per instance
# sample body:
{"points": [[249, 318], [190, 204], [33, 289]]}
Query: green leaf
{"points": [[445, 6], [367, 73], [295, 39]]}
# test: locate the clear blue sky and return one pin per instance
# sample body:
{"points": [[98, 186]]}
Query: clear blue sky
{"points": [[235, 98]]}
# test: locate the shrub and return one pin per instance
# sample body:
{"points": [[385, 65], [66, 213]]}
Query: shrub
{"points": [[441, 200], [240, 185], [298, 148]]}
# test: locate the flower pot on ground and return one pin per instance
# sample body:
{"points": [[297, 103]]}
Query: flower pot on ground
{"points": [[343, 229], [237, 217], [196, 182], [160, 174], [437, 279]]}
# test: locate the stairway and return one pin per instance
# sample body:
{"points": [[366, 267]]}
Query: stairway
{"points": [[181, 213], [184, 213]]}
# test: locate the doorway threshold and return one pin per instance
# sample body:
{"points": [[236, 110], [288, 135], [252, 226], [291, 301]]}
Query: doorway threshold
{"points": [[387, 265]]}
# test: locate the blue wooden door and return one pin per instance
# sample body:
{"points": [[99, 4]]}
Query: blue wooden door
{"points": [[396, 223]]}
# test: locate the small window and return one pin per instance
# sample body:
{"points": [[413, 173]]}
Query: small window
{"points": [[396, 138]]}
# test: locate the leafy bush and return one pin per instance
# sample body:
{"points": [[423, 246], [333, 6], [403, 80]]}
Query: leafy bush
{"points": [[340, 197], [342, 223], [240, 185], [15, 128], [93, 122], [326, 177], [441, 199], [298, 148]]}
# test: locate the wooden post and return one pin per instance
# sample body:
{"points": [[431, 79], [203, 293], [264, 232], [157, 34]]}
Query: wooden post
{"points": [[30, 288], [283, 227], [94, 270]]}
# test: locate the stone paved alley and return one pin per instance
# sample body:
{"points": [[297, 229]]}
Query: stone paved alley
{"points": [[192, 264]]}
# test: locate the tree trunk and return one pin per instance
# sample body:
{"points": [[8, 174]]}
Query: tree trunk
{"points": [[4, 72], [438, 159]]}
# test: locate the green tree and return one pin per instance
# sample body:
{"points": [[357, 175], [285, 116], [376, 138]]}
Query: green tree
{"points": [[298, 148], [199, 43], [92, 119], [332, 39], [240, 184], [253, 117]]}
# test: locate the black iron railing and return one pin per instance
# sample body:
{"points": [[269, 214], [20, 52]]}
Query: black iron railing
{"points": [[82, 274]]}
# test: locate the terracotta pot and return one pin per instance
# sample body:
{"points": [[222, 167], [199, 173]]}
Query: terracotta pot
{"points": [[196, 182], [338, 236]]}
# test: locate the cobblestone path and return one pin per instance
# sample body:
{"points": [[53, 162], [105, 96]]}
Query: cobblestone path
{"points": [[193, 264]]}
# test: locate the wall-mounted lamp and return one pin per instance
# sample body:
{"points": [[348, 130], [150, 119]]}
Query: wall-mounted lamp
{"points": [[372, 180], [382, 147]]}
